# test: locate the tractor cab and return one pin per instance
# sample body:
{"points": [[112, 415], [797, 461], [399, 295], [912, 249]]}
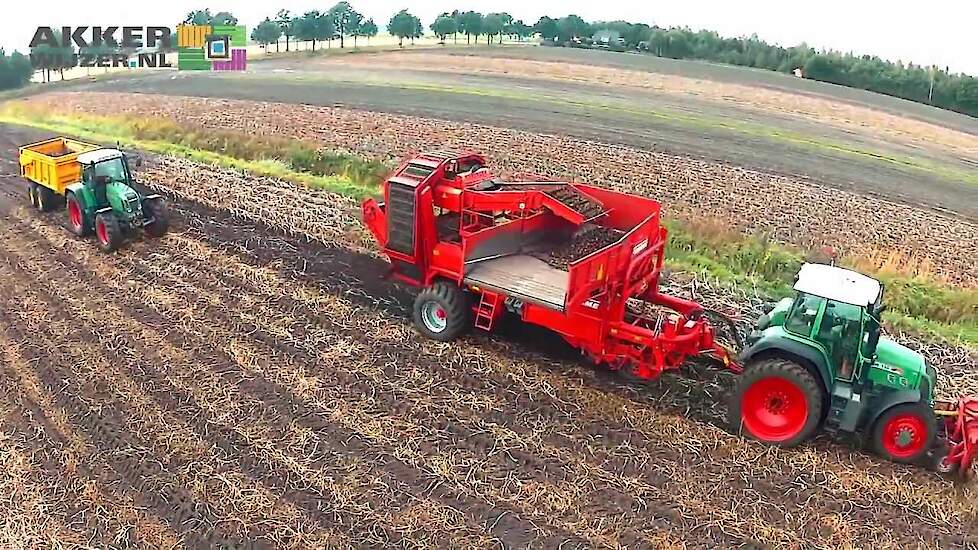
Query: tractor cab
{"points": [[103, 169], [826, 340], [837, 311]]}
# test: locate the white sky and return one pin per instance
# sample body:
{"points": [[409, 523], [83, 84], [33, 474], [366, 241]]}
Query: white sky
{"points": [[937, 31]]}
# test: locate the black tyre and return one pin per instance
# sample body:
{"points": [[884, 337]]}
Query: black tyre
{"points": [[79, 223], [32, 193], [108, 231], [905, 433], [46, 199], [777, 401], [442, 312], [155, 210]]}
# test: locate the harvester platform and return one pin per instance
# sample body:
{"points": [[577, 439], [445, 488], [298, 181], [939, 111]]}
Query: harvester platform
{"points": [[521, 276]]}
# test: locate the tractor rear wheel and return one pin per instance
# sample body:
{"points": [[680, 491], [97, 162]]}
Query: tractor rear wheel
{"points": [[905, 433], [441, 311], [161, 219], [77, 220], [777, 401], [108, 231]]}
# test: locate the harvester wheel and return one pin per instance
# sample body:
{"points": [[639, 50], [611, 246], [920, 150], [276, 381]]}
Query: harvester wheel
{"points": [[161, 219], [441, 311], [108, 231], [46, 199], [777, 401], [905, 433], [77, 220]]}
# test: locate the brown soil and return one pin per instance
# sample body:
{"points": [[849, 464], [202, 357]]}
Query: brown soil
{"points": [[853, 118], [250, 383], [784, 208]]}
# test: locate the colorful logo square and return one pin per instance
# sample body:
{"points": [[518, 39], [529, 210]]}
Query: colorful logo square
{"points": [[212, 47], [218, 47]]}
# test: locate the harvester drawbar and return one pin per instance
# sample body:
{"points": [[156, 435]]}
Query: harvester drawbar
{"points": [[585, 263]]}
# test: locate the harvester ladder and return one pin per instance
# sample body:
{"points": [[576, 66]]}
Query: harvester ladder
{"points": [[485, 313]]}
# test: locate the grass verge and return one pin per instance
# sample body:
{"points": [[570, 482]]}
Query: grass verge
{"points": [[917, 303]]}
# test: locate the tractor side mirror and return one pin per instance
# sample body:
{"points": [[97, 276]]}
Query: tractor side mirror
{"points": [[874, 329]]}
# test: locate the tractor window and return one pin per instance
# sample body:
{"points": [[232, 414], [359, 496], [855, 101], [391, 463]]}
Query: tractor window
{"points": [[113, 169], [801, 319], [840, 332]]}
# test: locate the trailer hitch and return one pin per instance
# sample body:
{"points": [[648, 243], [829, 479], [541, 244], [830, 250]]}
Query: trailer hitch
{"points": [[960, 435]]}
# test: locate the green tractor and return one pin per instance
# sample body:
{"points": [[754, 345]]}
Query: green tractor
{"points": [[97, 186], [108, 202], [817, 361]]}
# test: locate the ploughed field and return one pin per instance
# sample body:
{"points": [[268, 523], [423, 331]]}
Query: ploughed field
{"points": [[814, 132], [250, 380], [785, 208]]}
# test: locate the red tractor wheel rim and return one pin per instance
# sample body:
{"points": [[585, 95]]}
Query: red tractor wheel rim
{"points": [[774, 409], [103, 235], [74, 214], [904, 435]]}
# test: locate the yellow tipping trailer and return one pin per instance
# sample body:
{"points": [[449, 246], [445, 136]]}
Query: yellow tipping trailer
{"points": [[50, 166]]}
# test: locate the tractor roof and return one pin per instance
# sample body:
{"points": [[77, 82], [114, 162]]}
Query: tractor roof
{"points": [[98, 155], [836, 283]]}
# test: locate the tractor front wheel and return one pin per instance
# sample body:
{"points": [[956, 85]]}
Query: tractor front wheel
{"points": [[108, 231], [77, 220], [441, 311], [777, 401], [905, 433], [161, 219]]}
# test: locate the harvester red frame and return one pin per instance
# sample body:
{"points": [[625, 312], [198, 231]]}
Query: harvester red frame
{"points": [[609, 306]]}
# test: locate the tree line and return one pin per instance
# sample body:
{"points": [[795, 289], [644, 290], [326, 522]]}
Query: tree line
{"points": [[15, 70], [932, 85], [337, 23]]}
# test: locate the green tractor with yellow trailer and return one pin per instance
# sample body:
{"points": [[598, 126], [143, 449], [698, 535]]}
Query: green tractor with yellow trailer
{"points": [[97, 187], [817, 360]]}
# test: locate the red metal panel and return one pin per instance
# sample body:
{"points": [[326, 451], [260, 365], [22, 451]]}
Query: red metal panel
{"points": [[446, 260], [579, 330]]}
